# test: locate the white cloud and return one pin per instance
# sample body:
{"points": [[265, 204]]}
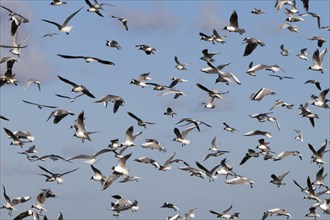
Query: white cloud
{"points": [[140, 20], [208, 18]]}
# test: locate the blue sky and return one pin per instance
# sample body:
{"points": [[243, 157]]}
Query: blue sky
{"points": [[172, 28]]}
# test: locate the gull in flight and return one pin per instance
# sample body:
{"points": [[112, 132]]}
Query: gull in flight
{"points": [[117, 100], [210, 173], [277, 180], [55, 176], [140, 121], [16, 47], [276, 211], [147, 49], [180, 66], [261, 93], [122, 20], [90, 159], [80, 128], [58, 115], [113, 43], [57, 2], [87, 59], [233, 24], [63, 27], [252, 44], [35, 81], [223, 214], [93, 8], [77, 88], [72, 99], [318, 60], [10, 204], [196, 122], [16, 19], [130, 137], [40, 106], [284, 154], [181, 136]]}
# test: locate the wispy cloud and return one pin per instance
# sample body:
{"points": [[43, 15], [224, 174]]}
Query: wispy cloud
{"points": [[208, 17], [160, 18]]}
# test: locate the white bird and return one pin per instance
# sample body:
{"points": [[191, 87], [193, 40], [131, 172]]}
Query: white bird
{"points": [[196, 122], [252, 44], [80, 128], [90, 158], [177, 93], [233, 24], [276, 211], [280, 3], [40, 106], [58, 115], [148, 160], [35, 81], [315, 82], [55, 176], [153, 144], [284, 52], [181, 136], [277, 180], [285, 153], [16, 47], [223, 214], [98, 176], [318, 60], [210, 173], [10, 204], [257, 11], [208, 56], [117, 100], [140, 121], [167, 164], [113, 43], [15, 140], [321, 100], [123, 204], [258, 132], [261, 93], [318, 155], [88, 59], [122, 20], [121, 167], [179, 65], [93, 8], [281, 104], [240, 180], [290, 27], [57, 2], [217, 38], [307, 113], [77, 88], [169, 111], [299, 136], [146, 48], [320, 40], [63, 27], [206, 37], [170, 206], [130, 137]]}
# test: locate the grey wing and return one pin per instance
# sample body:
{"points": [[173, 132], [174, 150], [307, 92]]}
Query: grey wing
{"points": [[233, 20], [67, 81], [70, 17]]}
